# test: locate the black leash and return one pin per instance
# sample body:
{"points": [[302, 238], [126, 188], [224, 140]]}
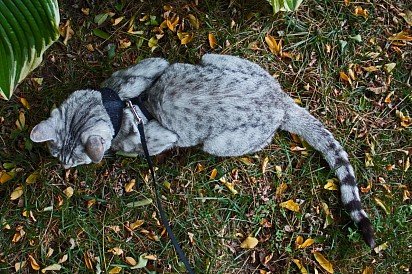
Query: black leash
{"points": [[163, 216]]}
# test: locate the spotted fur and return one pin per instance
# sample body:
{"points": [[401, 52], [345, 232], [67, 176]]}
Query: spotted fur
{"points": [[227, 105]]}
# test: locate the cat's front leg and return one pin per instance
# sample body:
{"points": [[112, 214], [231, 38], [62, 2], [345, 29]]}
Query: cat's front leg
{"points": [[159, 138]]}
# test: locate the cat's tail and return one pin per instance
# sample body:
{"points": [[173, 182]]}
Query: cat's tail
{"points": [[301, 122]]}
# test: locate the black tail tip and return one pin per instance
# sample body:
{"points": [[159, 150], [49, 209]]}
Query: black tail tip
{"points": [[366, 229]]}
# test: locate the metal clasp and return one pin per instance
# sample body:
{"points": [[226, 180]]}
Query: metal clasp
{"points": [[136, 116]]}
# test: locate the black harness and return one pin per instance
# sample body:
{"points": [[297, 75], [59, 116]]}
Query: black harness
{"points": [[114, 107]]}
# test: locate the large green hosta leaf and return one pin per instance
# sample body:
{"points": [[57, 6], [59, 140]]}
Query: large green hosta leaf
{"points": [[27, 29], [285, 5]]}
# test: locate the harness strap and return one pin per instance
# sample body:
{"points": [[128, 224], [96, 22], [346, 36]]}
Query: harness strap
{"points": [[163, 215]]}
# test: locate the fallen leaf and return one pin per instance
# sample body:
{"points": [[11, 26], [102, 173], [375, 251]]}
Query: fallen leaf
{"points": [[407, 164], [359, 11], [372, 68], [330, 185], [306, 243], [115, 270], [66, 31], [142, 262], [143, 202], [68, 192], [368, 270], [124, 43], [152, 43], [21, 121], [136, 224], [129, 186], [32, 178], [299, 240], [33, 263], [274, 46], [300, 266], [280, 190], [85, 11], [193, 21], [400, 36], [24, 102], [367, 188], [88, 261], [17, 192], [118, 20], [116, 251], [324, 263], [131, 261], [19, 266], [407, 15], [249, 243], [5, 176], [381, 247], [63, 259], [368, 160], [212, 40], [54, 267], [389, 67], [291, 205], [150, 257], [343, 76], [185, 37], [172, 23], [264, 164], [213, 174], [382, 205], [230, 186]]}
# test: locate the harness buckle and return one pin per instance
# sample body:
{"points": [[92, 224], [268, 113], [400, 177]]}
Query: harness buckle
{"points": [[132, 108]]}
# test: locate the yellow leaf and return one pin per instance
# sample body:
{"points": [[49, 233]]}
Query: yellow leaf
{"points": [[54, 267], [124, 43], [278, 171], [19, 266], [368, 270], [213, 174], [5, 176], [17, 192], [291, 205], [88, 261], [264, 164], [24, 102], [299, 240], [33, 263], [66, 31], [274, 46], [306, 243], [381, 247], [368, 160], [212, 40], [407, 164], [330, 185], [131, 261], [86, 11], [249, 243], [136, 224], [150, 257], [300, 266], [230, 186], [152, 43], [359, 11], [382, 205], [347, 2], [343, 76], [185, 37], [193, 21], [68, 192], [115, 270], [129, 186], [280, 190], [401, 36], [324, 263], [367, 188], [172, 23], [389, 67], [371, 68], [32, 178], [116, 251], [199, 167]]}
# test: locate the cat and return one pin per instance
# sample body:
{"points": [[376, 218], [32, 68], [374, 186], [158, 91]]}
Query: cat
{"points": [[227, 105]]}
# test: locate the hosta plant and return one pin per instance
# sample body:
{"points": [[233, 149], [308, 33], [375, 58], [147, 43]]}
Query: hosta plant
{"points": [[285, 5], [27, 29]]}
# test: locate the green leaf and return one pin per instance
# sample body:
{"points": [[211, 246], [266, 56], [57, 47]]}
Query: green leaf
{"points": [[101, 34], [27, 29], [292, 5]]}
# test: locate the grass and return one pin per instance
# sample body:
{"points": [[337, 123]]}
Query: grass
{"points": [[209, 220]]}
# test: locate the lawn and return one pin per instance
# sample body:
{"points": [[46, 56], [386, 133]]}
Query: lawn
{"points": [[349, 63]]}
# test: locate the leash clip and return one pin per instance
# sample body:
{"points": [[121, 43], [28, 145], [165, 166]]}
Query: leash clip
{"points": [[136, 116]]}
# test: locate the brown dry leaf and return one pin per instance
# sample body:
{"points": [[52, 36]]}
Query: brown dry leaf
{"points": [[194, 21], [346, 2], [24, 102], [367, 188], [344, 77], [249, 243], [212, 40], [406, 121], [33, 263], [274, 46], [131, 261], [17, 192], [359, 11], [116, 251], [63, 259], [280, 190], [264, 164], [115, 270], [150, 257], [124, 43], [299, 240], [407, 164], [88, 261], [66, 31], [21, 121], [381, 247], [382, 205], [400, 36], [368, 270], [330, 185], [324, 263], [306, 243], [68, 192], [291, 205], [185, 37], [300, 266], [49, 252], [406, 195], [172, 23], [5, 176], [213, 174], [230, 186], [199, 167], [19, 266], [85, 11], [53, 267], [136, 224], [129, 186], [118, 20]]}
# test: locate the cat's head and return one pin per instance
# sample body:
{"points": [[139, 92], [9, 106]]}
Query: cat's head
{"points": [[79, 131]]}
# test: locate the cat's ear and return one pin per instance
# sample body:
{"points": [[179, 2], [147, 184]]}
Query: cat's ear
{"points": [[95, 148], [43, 132]]}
